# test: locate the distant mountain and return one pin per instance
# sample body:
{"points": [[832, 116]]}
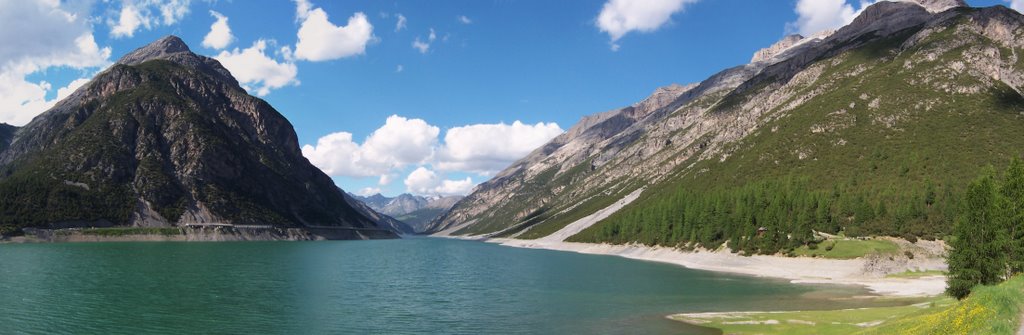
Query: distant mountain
{"points": [[869, 129], [415, 211], [165, 137]]}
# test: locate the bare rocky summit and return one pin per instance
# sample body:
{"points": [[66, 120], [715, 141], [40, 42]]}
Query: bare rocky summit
{"points": [[779, 47]]}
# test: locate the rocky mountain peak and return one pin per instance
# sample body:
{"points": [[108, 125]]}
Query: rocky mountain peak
{"points": [[936, 6], [777, 48], [159, 49], [661, 97], [886, 17]]}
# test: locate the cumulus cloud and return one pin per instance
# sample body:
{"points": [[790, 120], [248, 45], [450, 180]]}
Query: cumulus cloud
{"points": [[620, 17], [321, 40], [38, 35], [386, 179], [137, 14], [1017, 5], [128, 21], [256, 71], [404, 143], [219, 36], [488, 148], [400, 142], [464, 20], [422, 46], [814, 16], [401, 22], [425, 181]]}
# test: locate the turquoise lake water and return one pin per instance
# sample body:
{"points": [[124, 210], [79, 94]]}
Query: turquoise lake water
{"points": [[411, 286]]}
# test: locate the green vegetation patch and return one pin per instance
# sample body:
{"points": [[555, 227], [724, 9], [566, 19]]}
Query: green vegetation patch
{"points": [[990, 310], [847, 248], [837, 322], [916, 274]]}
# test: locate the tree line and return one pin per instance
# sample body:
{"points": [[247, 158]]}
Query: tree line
{"points": [[778, 216]]}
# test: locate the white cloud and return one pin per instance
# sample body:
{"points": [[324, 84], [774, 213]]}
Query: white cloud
{"points": [[425, 181], [173, 10], [148, 14], [73, 86], [399, 68], [368, 191], [219, 36], [404, 143], [464, 20], [401, 23], [38, 35], [399, 143], [256, 71], [321, 40], [128, 21], [488, 148], [814, 16], [1017, 5], [386, 179], [422, 46], [620, 17], [337, 155]]}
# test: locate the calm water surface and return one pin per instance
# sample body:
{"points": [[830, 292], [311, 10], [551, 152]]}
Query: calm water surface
{"points": [[420, 285]]}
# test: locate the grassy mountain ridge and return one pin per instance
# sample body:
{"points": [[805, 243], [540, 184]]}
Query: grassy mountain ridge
{"points": [[872, 129], [900, 124]]}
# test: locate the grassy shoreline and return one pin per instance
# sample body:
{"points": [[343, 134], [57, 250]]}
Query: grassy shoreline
{"points": [[991, 310]]}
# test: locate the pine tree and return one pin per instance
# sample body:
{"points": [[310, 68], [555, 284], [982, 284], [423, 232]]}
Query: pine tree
{"points": [[977, 256], [1012, 205]]}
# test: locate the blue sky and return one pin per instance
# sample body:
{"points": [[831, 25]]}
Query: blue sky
{"points": [[491, 63]]}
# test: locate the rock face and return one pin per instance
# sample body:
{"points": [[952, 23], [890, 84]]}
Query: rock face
{"points": [[900, 75], [779, 47], [166, 137], [6, 135], [936, 6], [412, 210]]}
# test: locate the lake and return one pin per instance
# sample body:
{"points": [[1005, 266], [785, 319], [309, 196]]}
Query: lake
{"points": [[417, 285]]}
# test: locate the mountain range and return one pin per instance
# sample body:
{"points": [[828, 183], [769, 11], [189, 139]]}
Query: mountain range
{"points": [[868, 129], [413, 210]]}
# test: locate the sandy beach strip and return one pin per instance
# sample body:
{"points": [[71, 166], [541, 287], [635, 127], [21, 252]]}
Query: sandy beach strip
{"points": [[794, 269]]}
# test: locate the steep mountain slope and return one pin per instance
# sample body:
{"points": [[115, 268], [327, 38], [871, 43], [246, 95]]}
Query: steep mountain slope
{"points": [[412, 210], [165, 137], [6, 135], [868, 129]]}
